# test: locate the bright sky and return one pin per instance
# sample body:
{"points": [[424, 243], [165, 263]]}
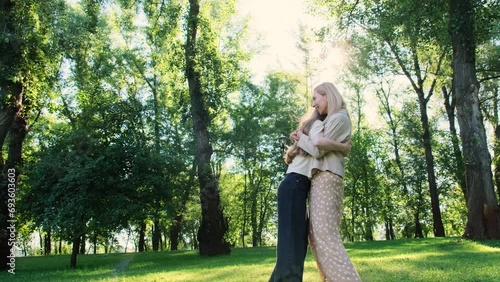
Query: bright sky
{"points": [[278, 22]]}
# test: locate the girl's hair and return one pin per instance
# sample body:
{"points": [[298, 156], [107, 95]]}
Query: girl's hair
{"points": [[305, 125]]}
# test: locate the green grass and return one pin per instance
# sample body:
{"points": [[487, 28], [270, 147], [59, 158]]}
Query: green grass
{"points": [[434, 259]]}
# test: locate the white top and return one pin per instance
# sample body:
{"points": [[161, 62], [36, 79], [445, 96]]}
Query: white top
{"points": [[301, 165]]}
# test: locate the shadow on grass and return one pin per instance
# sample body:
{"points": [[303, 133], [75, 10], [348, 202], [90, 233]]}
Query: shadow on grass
{"points": [[489, 243]]}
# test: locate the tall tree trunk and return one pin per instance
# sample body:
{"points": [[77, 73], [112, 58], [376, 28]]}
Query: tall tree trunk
{"points": [[175, 231], [74, 251], [94, 242], [255, 187], [483, 219], [165, 240], [244, 207], [418, 211], [496, 151], [417, 82], [389, 229], [438, 226], [353, 210], [8, 114], [459, 172], [82, 244], [367, 211], [156, 234], [8, 187], [418, 226], [213, 224], [256, 212], [142, 236], [263, 210], [253, 218], [386, 225], [47, 244]]}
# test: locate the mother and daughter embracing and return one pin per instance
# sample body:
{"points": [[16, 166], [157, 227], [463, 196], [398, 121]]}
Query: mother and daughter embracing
{"points": [[315, 168]]}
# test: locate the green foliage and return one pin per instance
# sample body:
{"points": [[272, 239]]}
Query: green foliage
{"points": [[220, 54], [29, 53], [486, 26], [363, 198], [106, 156], [116, 134], [259, 116], [70, 183]]}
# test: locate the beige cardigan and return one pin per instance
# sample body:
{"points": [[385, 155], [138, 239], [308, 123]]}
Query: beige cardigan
{"points": [[337, 127]]}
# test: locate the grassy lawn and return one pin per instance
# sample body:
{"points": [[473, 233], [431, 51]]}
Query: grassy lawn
{"points": [[434, 259]]}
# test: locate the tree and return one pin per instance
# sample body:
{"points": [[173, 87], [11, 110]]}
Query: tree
{"points": [[458, 170], [154, 65], [366, 73], [364, 197], [90, 166], [483, 210], [28, 60], [213, 223], [416, 203], [488, 73], [259, 117]]}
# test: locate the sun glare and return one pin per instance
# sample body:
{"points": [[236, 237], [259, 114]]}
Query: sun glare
{"points": [[278, 22]]}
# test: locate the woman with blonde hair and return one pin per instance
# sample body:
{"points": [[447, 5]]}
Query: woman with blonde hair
{"points": [[327, 184], [292, 211]]}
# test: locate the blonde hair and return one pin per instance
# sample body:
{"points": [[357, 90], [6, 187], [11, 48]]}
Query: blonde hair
{"points": [[335, 100], [305, 125]]}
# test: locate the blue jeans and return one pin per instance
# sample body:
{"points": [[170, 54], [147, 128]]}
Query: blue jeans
{"points": [[292, 228]]}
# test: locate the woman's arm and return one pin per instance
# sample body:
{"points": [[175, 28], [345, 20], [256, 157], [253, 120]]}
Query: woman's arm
{"points": [[328, 136], [305, 143], [326, 144]]}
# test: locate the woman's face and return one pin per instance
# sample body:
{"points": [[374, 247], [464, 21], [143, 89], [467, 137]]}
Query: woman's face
{"points": [[320, 103]]}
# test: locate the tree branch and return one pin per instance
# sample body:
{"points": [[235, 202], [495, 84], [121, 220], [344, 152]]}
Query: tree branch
{"points": [[438, 69], [401, 64], [489, 78]]}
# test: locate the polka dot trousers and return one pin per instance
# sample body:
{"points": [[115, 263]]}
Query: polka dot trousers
{"points": [[325, 211]]}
